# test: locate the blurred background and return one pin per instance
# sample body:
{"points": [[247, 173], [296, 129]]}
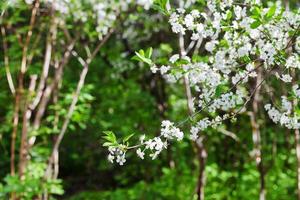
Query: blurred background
{"points": [[123, 96]]}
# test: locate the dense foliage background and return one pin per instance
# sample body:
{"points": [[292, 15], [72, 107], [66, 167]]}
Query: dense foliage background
{"points": [[122, 95]]}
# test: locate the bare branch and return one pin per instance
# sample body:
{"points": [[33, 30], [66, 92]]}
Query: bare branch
{"points": [[229, 134], [6, 63], [50, 39], [74, 101]]}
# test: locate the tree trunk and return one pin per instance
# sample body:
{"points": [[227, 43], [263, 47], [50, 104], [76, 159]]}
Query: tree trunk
{"points": [[201, 152], [297, 141], [256, 137], [297, 144], [202, 155], [25, 125]]}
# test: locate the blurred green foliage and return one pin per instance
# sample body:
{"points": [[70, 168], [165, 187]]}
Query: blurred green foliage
{"points": [[177, 184]]}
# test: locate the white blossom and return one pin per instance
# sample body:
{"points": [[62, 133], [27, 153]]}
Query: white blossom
{"points": [[140, 153], [110, 158], [29, 2], [121, 159], [286, 78], [189, 21], [194, 133], [296, 90], [174, 58], [154, 69], [209, 46], [145, 3], [169, 131], [164, 69]]}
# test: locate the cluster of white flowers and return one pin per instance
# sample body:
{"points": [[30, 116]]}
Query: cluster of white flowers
{"points": [[205, 123], [227, 101], [168, 132], [29, 1], [293, 61], [196, 22], [267, 52], [243, 75], [285, 117], [145, 3], [154, 145], [228, 46], [60, 6], [174, 58], [236, 46], [284, 77], [105, 12], [105, 15], [174, 21], [116, 154]]}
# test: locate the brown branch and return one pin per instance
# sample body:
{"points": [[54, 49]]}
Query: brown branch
{"points": [[14, 133], [34, 45], [49, 89], [25, 125], [256, 136], [297, 144], [28, 37], [19, 92], [297, 140], [50, 39], [229, 134], [199, 144], [74, 102], [21, 86], [6, 62]]}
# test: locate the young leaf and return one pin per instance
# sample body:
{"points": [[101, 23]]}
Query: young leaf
{"points": [[256, 12], [149, 52], [110, 137], [161, 6], [255, 24], [228, 15], [140, 56], [107, 144], [271, 12], [127, 137]]}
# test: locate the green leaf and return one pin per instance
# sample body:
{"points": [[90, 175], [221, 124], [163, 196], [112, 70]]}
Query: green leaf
{"points": [[110, 137], [107, 144], [136, 58], [224, 43], [221, 89], [180, 62], [140, 56], [166, 48], [255, 24], [128, 137], [141, 52], [271, 12], [256, 12], [229, 15], [149, 52], [161, 6]]}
